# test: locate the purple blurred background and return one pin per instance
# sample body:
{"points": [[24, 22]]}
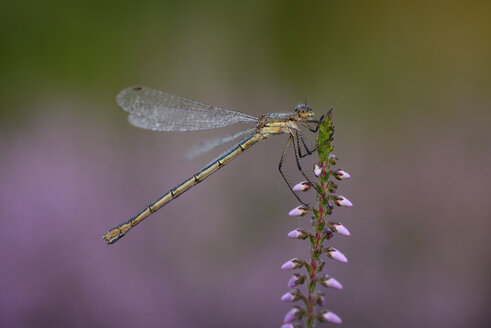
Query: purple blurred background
{"points": [[410, 84]]}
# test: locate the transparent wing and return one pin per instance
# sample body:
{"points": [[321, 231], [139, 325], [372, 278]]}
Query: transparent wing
{"points": [[209, 144], [157, 110]]}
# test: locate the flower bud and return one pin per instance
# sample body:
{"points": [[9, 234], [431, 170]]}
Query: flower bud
{"points": [[317, 170], [331, 282], [290, 296], [321, 299], [328, 233], [336, 255], [332, 159], [294, 263], [331, 187], [302, 186], [342, 201], [339, 228], [298, 234], [341, 174], [331, 317], [293, 314], [300, 210], [295, 280], [288, 325]]}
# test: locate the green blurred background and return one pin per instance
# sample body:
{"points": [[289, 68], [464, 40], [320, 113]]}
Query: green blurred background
{"points": [[410, 83]]}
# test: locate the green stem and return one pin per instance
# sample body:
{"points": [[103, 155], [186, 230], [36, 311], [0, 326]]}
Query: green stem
{"points": [[324, 148]]}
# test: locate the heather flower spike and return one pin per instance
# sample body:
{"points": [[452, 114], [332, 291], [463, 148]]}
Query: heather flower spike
{"points": [[312, 310]]}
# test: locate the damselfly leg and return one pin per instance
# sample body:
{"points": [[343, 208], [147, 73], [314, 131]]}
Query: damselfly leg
{"points": [[294, 139]]}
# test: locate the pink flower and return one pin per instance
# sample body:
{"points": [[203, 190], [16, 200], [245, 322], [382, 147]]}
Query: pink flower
{"points": [[288, 297], [292, 315], [331, 317], [298, 234], [336, 255], [332, 159], [342, 201], [331, 282], [317, 170], [340, 174], [287, 325], [341, 229], [302, 186], [296, 279], [300, 210], [294, 263]]}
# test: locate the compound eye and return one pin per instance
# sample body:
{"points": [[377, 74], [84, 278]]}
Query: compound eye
{"points": [[302, 108], [303, 111], [299, 108]]}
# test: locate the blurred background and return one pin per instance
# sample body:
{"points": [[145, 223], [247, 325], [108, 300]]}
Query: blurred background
{"points": [[410, 85]]}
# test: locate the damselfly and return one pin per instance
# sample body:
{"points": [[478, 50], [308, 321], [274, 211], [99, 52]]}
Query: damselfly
{"points": [[156, 110]]}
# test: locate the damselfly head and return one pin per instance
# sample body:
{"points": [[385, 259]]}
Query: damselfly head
{"points": [[304, 111]]}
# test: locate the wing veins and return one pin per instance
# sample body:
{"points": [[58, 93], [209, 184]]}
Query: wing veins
{"points": [[157, 110]]}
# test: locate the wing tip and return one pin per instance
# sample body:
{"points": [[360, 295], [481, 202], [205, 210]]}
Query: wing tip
{"points": [[128, 93]]}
